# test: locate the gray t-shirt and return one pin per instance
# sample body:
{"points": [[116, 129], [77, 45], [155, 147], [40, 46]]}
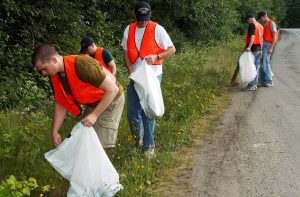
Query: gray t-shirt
{"points": [[273, 27]]}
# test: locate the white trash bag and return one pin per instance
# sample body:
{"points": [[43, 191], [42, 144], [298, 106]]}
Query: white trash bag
{"points": [[81, 160], [148, 89], [247, 68]]}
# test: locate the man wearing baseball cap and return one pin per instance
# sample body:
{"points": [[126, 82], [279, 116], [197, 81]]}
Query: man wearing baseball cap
{"points": [[102, 55], [270, 38], [144, 39]]}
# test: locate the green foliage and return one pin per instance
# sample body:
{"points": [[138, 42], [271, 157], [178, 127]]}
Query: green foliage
{"points": [[27, 23], [293, 14], [21, 139], [208, 21], [276, 10], [21, 90], [19, 188]]}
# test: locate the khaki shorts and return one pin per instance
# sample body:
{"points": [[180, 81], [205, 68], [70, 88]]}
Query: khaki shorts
{"points": [[107, 123]]}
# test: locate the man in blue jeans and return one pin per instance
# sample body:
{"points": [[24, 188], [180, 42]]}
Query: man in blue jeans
{"points": [[270, 38], [144, 39], [254, 42]]}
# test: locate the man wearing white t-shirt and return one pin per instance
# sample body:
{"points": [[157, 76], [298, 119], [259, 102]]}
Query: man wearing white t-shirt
{"points": [[144, 39]]}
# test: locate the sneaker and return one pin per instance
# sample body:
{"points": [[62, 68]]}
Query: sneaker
{"points": [[253, 88], [149, 154], [137, 149], [140, 143], [268, 85]]}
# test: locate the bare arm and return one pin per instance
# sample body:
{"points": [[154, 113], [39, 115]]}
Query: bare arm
{"points": [[250, 43], [113, 66], [59, 117], [111, 90], [127, 61], [273, 43], [170, 51], [153, 57], [113, 77]]}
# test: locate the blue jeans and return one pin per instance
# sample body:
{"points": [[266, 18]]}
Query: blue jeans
{"points": [[140, 125], [265, 69], [257, 59]]}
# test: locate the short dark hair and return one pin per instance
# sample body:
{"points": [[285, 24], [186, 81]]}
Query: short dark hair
{"points": [[261, 14], [43, 52], [249, 16]]}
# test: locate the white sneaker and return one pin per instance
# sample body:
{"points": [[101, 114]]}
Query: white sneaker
{"points": [[137, 148], [149, 154], [253, 88], [268, 85]]}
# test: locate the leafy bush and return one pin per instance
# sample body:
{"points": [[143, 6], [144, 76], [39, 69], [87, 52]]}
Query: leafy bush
{"points": [[21, 90], [293, 14], [19, 188]]}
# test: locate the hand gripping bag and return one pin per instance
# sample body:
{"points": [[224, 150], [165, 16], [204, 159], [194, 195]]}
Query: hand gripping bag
{"points": [[81, 160], [148, 89], [247, 68]]}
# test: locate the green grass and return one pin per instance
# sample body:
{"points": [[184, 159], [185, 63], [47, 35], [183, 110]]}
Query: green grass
{"points": [[191, 82]]}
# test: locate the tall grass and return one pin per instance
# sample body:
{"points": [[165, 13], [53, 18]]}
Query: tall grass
{"points": [[191, 82]]}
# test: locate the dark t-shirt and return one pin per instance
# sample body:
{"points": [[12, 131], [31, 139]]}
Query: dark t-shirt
{"points": [[251, 31], [106, 56]]}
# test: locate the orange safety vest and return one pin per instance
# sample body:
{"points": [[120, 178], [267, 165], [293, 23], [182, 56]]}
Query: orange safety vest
{"points": [[259, 31], [148, 45], [82, 92], [268, 34], [98, 56]]}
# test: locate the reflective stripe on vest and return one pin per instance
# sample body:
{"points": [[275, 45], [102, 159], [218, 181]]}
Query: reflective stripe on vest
{"points": [[148, 44], [259, 30], [82, 92], [98, 56], [268, 34]]}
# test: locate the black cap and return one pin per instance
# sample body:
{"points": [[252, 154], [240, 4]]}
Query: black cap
{"points": [[261, 14], [142, 11], [249, 16], [85, 43]]}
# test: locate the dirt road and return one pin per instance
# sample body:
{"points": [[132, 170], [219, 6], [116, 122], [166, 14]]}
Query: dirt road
{"points": [[255, 150]]}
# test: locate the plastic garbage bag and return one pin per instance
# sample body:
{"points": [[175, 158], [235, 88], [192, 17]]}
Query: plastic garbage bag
{"points": [[247, 68], [81, 160], [148, 89]]}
